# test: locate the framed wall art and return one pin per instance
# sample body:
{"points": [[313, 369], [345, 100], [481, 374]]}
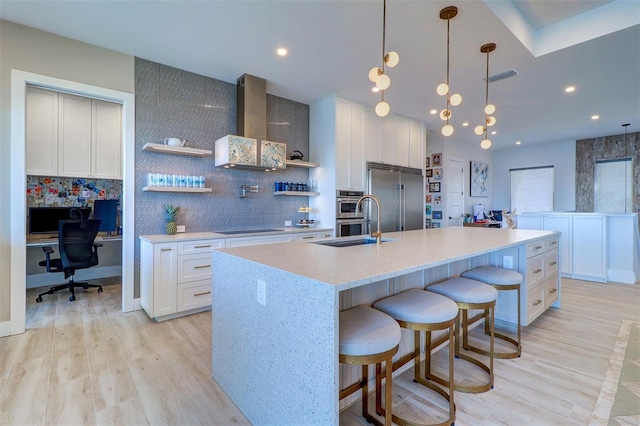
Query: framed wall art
{"points": [[435, 224], [437, 200], [427, 162], [428, 173], [436, 159], [434, 186], [437, 215], [427, 223], [428, 198], [427, 209], [437, 173], [479, 179]]}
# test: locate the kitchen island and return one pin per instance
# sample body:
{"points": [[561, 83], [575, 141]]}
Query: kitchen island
{"points": [[276, 308]]}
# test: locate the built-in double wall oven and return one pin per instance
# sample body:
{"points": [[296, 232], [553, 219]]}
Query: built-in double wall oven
{"points": [[349, 221]]}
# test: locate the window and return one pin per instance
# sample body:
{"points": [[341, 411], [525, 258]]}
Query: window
{"points": [[613, 186], [532, 189]]}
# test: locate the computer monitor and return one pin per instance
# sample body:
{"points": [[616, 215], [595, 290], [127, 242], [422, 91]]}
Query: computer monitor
{"points": [[44, 220], [107, 210]]}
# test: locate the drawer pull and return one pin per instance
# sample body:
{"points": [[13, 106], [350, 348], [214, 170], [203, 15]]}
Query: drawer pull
{"points": [[202, 266], [537, 247], [537, 302], [202, 294], [553, 290], [208, 245], [537, 271], [553, 242], [165, 249], [553, 263], [308, 238]]}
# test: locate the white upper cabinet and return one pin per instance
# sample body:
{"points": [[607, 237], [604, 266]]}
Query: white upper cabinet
{"points": [[401, 142], [417, 144], [42, 132], [74, 136]]}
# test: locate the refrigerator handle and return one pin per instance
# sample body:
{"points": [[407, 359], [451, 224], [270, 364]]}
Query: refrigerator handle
{"points": [[400, 225]]}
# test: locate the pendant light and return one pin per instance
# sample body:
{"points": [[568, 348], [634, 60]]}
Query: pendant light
{"points": [[443, 89], [377, 75], [488, 108]]}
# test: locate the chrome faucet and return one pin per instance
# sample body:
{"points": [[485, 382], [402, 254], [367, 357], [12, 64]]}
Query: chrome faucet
{"points": [[378, 233], [247, 188]]}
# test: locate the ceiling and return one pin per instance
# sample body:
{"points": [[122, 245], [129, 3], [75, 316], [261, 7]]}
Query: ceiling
{"points": [[593, 45]]}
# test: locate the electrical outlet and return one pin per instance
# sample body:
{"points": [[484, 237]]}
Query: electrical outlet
{"points": [[262, 292], [287, 223], [180, 228], [507, 262]]}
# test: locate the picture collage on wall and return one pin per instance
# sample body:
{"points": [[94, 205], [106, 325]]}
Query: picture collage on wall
{"points": [[46, 191], [433, 190]]}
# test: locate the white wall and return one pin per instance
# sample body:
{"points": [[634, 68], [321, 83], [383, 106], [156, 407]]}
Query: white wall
{"points": [[35, 51], [562, 156]]}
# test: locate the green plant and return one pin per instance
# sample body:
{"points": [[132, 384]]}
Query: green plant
{"points": [[170, 214]]}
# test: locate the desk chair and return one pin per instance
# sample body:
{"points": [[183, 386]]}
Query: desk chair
{"points": [[77, 251]]}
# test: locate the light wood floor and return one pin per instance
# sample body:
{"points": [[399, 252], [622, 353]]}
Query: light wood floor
{"points": [[86, 362]]}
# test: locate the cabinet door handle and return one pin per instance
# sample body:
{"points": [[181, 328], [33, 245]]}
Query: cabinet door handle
{"points": [[202, 266], [208, 245], [537, 302], [537, 247], [308, 238], [553, 263], [553, 290], [553, 242], [537, 271], [201, 294], [165, 249]]}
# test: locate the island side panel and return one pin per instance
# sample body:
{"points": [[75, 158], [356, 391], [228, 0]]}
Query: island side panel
{"points": [[278, 362]]}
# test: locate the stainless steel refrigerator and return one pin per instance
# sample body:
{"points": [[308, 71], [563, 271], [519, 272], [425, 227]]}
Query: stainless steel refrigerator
{"points": [[401, 194]]}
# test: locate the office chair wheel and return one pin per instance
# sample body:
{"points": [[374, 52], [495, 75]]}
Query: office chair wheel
{"points": [[38, 299], [100, 290], [72, 298]]}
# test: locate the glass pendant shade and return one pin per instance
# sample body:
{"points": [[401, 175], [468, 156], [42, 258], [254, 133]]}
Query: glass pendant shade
{"points": [[485, 144], [442, 89], [478, 130], [445, 114], [489, 109], [374, 73], [447, 130], [383, 82], [491, 121], [382, 109], [456, 99], [391, 59]]}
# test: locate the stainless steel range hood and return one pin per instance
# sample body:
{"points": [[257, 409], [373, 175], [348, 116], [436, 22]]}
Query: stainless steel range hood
{"points": [[249, 148]]}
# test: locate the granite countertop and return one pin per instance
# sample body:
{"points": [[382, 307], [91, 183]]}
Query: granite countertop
{"points": [[191, 236], [411, 251]]}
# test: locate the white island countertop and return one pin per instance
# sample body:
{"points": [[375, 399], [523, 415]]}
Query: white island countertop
{"points": [[409, 251]]}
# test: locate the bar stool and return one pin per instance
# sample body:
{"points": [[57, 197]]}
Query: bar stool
{"points": [[500, 279], [367, 336], [469, 294], [419, 310]]}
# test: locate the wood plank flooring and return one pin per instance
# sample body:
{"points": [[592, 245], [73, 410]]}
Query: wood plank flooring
{"points": [[86, 362]]}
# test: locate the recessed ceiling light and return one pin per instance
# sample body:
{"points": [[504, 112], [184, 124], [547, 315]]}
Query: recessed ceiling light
{"points": [[494, 132], [433, 111], [465, 124], [570, 89], [374, 89], [518, 142], [282, 51], [595, 117]]}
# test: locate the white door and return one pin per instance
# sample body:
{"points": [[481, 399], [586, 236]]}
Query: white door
{"points": [[454, 187]]}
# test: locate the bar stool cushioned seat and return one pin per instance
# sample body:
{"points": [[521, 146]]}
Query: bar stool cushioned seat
{"points": [[368, 336], [421, 310], [469, 294], [502, 280]]}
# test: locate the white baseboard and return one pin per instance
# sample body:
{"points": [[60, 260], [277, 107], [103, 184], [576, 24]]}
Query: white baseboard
{"points": [[5, 328], [49, 279], [621, 276]]}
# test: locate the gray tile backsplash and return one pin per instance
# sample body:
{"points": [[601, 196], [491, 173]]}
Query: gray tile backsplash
{"points": [[174, 103]]}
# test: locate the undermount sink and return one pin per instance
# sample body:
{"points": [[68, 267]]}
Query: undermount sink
{"points": [[349, 243], [248, 231]]}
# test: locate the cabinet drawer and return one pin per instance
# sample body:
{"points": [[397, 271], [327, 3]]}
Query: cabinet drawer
{"points": [[194, 295], [535, 303], [535, 248], [535, 271], [550, 291], [194, 267], [305, 236], [199, 246], [551, 263], [252, 241], [550, 244]]}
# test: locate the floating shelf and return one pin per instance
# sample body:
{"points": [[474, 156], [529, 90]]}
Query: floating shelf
{"points": [[305, 164], [298, 193], [174, 189], [178, 150]]}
